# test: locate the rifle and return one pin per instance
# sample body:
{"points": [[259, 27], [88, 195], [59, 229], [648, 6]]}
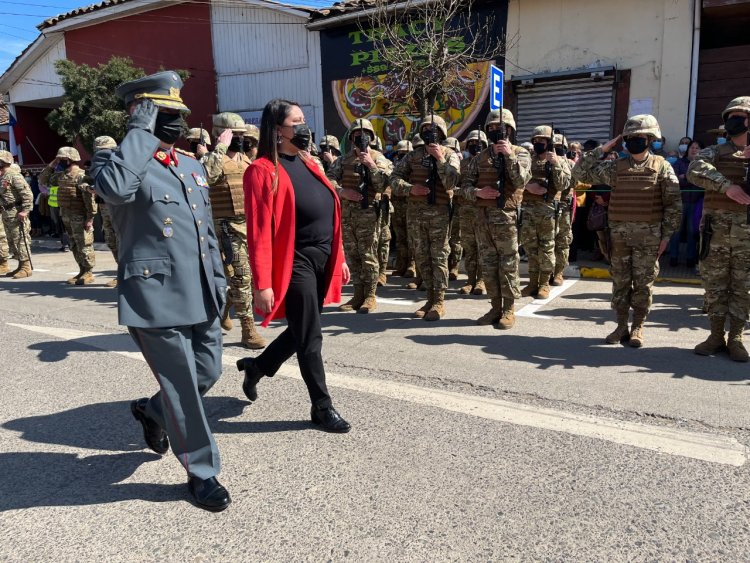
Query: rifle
{"points": [[430, 162], [26, 243], [363, 142], [225, 240], [548, 165], [498, 162]]}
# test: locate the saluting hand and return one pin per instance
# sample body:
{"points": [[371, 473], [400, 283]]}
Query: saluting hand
{"points": [[610, 145], [144, 116], [225, 137], [264, 300]]}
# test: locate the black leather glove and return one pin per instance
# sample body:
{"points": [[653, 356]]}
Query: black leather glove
{"points": [[144, 116]]}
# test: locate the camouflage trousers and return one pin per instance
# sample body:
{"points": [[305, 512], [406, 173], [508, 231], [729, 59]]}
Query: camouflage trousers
{"points": [[633, 264], [432, 226], [109, 232], [498, 249], [538, 236], [454, 241], [360, 229], [726, 269], [384, 241], [412, 233], [563, 239], [238, 273], [15, 236], [4, 249], [404, 246], [81, 240], [468, 215]]}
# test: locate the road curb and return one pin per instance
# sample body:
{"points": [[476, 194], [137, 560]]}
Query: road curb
{"points": [[603, 274]]}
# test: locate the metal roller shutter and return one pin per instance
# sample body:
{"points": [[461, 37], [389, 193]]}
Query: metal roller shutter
{"points": [[581, 107]]}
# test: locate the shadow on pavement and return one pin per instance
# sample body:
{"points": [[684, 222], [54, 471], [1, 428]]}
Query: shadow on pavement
{"points": [[59, 350], [96, 293]]}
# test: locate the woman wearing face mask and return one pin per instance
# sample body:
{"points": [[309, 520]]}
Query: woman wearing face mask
{"points": [[296, 254], [683, 146], [657, 147], [692, 207]]}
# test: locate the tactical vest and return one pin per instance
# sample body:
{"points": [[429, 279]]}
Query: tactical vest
{"points": [[351, 180], [69, 195], [420, 174], [733, 169], [52, 196], [539, 176], [7, 197], [488, 177], [637, 195], [227, 196]]}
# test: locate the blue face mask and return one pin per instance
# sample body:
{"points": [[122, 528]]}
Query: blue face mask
{"points": [[672, 160], [657, 145], [721, 141], [683, 148]]}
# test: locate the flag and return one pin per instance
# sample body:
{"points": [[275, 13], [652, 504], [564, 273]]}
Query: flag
{"points": [[16, 137]]}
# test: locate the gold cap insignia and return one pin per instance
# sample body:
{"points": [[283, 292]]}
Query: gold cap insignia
{"points": [[174, 92]]}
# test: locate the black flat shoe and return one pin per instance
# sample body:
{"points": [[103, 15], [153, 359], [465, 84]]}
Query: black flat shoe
{"points": [[155, 437], [252, 376], [329, 420], [209, 494]]}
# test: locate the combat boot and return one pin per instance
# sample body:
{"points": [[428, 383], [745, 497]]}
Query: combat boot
{"points": [[557, 279], [715, 342], [531, 289], [453, 273], [437, 311], [468, 287], [4, 268], [410, 272], [356, 301], [370, 303], [508, 319], [621, 332], [74, 279], [416, 284], [544, 289], [111, 283], [85, 278], [23, 271], [636, 330], [250, 337], [422, 311], [737, 350], [382, 279], [493, 315], [479, 288], [400, 269], [226, 320]]}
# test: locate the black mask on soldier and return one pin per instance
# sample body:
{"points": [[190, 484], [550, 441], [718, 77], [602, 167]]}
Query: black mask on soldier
{"points": [[248, 145], [194, 147], [235, 145], [495, 136], [301, 136], [428, 136], [540, 148], [735, 125], [636, 145], [474, 149], [559, 151], [65, 164], [169, 127]]}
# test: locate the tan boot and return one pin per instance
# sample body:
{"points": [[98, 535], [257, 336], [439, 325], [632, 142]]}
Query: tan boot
{"points": [[356, 301], [715, 342], [370, 303], [737, 350], [422, 311], [111, 283], [4, 268], [636, 330], [415, 284], [493, 315], [23, 271], [226, 320], [411, 271], [74, 279], [466, 288], [557, 280], [479, 288], [86, 278], [544, 288], [508, 319], [621, 332], [453, 273], [382, 279], [437, 311], [250, 337], [531, 289]]}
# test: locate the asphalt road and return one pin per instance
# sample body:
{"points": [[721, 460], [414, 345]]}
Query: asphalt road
{"points": [[468, 443]]}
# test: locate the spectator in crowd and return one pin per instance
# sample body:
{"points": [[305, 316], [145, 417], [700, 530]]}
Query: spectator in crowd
{"points": [[692, 208], [683, 146], [657, 147], [583, 238]]}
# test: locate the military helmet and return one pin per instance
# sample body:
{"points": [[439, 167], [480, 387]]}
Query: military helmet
{"points": [[404, 146], [252, 131], [228, 120], [452, 143], [416, 141], [104, 142], [738, 104], [642, 125], [544, 131], [15, 168], [331, 141], [69, 153], [560, 140], [198, 135], [494, 117], [477, 135], [436, 121], [362, 124], [6, 157]]}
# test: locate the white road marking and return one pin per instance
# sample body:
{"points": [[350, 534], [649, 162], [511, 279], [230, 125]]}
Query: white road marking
{"points": [[402, 302], [695, 445], [39, 270], [531, 309]]}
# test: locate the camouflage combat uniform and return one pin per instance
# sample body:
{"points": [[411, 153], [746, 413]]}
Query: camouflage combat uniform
{"points": [[454, 241], [15, 197], [4, 250], [404, 252], [110, 236], [384, 237], [564, 234]]}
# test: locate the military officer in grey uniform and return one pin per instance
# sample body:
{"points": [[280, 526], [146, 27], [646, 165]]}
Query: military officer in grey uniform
{"points": [[170, 276]]}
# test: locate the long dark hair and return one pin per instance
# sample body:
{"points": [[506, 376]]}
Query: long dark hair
{"points": [[274, 114]]}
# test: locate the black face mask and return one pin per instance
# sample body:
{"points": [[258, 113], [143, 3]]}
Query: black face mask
{"points": [[540, 148], [735, 125], [235, 145], [301, 137], [169, 127], [248, 145], [495, 136], [65, 164], [474, 149], [193, 147], [428, 136], [636, 145], [559, 151]]}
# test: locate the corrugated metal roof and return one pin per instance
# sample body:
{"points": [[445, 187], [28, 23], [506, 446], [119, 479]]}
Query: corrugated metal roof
{"points": [[4, 119], [341, 8]]}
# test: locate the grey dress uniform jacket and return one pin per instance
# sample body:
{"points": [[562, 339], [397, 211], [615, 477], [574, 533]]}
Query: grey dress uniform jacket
{"points": [[170, 271]]}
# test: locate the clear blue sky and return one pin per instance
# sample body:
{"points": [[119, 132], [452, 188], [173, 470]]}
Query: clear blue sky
{"points": [[18, 21]]}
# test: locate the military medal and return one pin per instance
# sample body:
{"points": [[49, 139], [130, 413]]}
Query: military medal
{"points": [[167, 231], [200, 180]]}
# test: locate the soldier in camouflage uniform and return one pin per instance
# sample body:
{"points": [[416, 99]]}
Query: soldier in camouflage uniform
{"points": [[77, 209], [384, 237], [225, 167], [250, 141], [550, 175], [110, 236], [428, 176], [467, 212], [645, 209], [330, 150], [454, 241], [564, 236], [404, 253], [16, 202], [4, 250], [199, 140], [361, 177], [722, 170], [412, 232], [496, 214]]}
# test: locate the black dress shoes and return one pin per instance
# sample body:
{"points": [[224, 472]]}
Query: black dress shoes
{"points": [[209, 494], [155, 437], [329, 420], [252, 376]]}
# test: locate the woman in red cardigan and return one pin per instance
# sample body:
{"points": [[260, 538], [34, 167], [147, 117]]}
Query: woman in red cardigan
{"points": [[296, 255]]}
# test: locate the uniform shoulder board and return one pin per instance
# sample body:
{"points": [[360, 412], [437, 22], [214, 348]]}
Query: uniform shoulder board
{"points": [[186, 153]]}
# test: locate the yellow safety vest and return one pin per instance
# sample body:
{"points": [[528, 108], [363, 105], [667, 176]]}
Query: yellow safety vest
{"points": [[52, 197]]}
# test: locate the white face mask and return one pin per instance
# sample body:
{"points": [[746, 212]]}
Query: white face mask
{"points": [[683, 148]]}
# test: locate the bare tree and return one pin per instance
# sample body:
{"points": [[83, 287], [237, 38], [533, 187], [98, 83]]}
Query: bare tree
{"points": [[427, 46]]}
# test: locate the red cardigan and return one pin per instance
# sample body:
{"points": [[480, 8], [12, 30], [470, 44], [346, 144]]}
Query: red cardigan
{"points": [[271, 230]]}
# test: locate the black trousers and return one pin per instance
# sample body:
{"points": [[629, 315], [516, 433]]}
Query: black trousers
{"points": [[303, 336]]}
